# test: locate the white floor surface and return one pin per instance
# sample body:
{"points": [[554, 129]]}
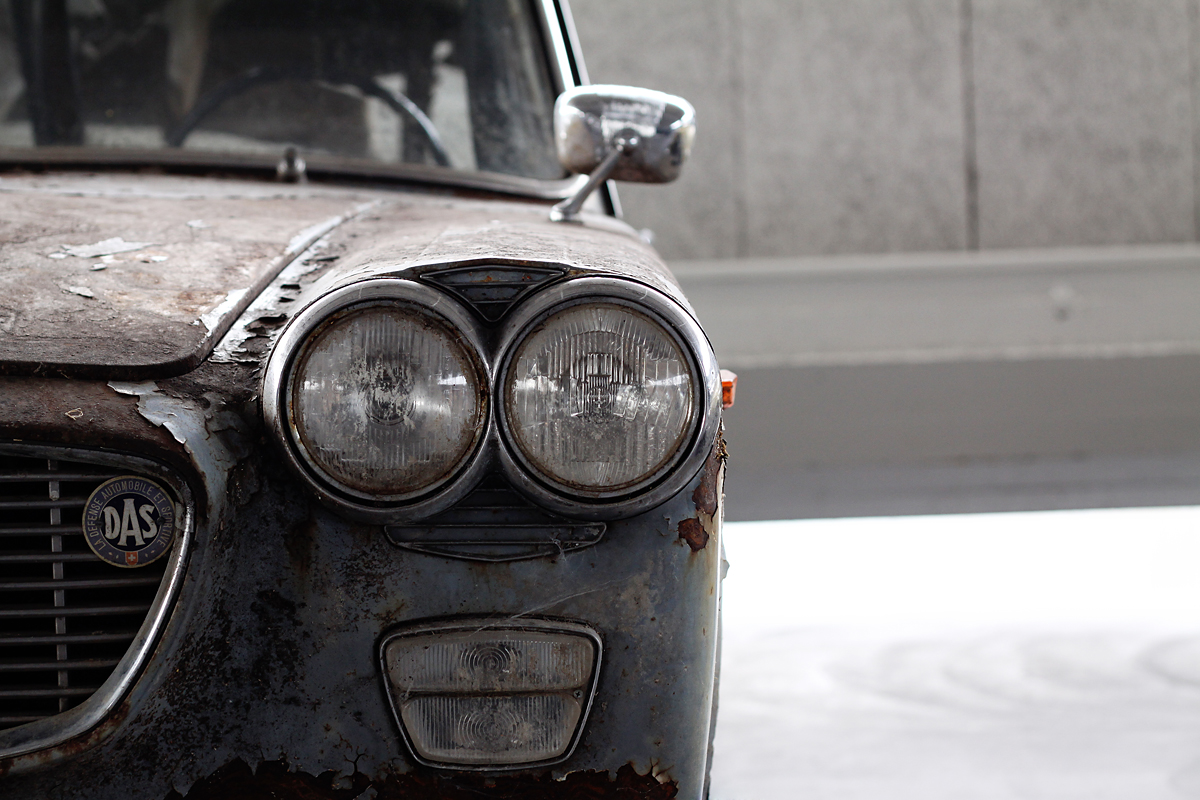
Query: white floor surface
{"points": [[1050, 655]]}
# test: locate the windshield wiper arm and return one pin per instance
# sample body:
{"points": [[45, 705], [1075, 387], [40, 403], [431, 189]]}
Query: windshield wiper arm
{"points": [[256, 76]]}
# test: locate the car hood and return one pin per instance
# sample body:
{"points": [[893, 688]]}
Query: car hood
{"points": [[138, 277]]}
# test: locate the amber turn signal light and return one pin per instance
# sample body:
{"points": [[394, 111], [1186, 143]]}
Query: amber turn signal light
{"points": [[728, 388]]}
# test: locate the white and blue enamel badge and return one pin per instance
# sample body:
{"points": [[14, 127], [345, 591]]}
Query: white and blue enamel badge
{"points": [[129, 521]]}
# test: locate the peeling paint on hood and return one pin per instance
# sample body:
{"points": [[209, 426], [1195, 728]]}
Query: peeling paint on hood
{"points": [[165, 290], [211, 319], [108, 247], [150, 319]]}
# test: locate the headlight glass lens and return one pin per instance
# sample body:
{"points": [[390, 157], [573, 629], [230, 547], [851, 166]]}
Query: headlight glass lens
{"points": [[599, 397], [386, 401]]}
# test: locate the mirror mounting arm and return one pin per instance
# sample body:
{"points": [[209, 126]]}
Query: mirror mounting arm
{"points": [[619, 133], [568, 210]]}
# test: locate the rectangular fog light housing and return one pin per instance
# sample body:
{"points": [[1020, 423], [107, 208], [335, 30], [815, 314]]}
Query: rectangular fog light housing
{"points": [[477, 694]]}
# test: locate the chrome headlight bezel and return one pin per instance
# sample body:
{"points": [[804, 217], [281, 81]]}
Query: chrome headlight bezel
{"points": [[279, 415], [671, 476]]}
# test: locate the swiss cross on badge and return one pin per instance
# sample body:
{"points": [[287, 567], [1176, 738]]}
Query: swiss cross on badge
{"points": [[129, 521]]}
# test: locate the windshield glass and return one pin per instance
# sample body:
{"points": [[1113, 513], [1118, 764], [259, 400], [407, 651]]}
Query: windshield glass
{"points": [[458, 83]]}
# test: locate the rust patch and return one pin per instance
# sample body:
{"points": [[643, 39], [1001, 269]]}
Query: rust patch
{"points": [[584, 785], [271, 780], [708, 492], [692, 532], [267, 323], [707, 498], [69, 749], [274, 780]]}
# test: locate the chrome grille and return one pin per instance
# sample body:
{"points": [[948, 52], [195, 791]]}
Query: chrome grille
{"points": [[66, 617]]}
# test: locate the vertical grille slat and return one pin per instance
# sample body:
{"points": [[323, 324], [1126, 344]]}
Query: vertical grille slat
{"points": [[60, 595], [66, 617]]}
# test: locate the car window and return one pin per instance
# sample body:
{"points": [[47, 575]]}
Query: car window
{"points": [[457, 83]]}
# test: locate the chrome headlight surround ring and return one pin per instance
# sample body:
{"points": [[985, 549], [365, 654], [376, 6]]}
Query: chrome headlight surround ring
{"points": [[279, 415], [678, 323]]}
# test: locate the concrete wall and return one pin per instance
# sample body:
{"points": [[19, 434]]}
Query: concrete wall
{"points": [[1002, 380], [874, 126], [850, 155]]}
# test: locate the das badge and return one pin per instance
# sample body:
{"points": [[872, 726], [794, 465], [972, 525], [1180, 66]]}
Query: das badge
{"points": [[129, 521]]}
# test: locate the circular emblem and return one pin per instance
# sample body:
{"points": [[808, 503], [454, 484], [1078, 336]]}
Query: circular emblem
{"points": [[129, 521]]}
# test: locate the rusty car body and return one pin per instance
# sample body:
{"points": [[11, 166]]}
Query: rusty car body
{"points": [[350, 611]]}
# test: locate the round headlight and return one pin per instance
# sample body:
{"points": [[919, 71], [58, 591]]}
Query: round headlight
{"points": [[385, 402], [600, 398]]}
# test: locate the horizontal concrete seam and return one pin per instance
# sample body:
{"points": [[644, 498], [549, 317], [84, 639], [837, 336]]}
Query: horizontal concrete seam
{"points": [[1005, 262], [958, 354]]}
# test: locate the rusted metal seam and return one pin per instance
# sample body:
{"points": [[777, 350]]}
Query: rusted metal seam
{"points": [[296, 247]]}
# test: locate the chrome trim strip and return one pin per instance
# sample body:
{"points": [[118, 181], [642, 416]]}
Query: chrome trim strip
{"points": [[563, 77], [576, 52], [477, 624], [671, 478], [279, 421], [55, 730]]}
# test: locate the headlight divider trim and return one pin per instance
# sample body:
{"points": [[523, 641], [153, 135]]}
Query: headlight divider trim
{"points": [[493, 346]]}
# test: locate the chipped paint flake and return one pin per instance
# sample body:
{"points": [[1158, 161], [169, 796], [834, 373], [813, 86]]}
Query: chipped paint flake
{"points": [[187, 423], [212, 318], [268, 305], [82, 291], [105, 248]]}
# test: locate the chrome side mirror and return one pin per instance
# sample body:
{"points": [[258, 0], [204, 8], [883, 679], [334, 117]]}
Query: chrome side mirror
{"points": [[620, 132]]}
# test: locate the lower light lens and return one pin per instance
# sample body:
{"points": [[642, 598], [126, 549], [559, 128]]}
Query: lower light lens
{"points": [[509, 662], [490, 697], [490, 730]]}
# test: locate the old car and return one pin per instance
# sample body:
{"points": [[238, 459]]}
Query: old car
{"points": [[351, 445]]}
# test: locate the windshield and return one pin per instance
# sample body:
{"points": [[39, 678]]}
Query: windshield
{"points": [[453, 83]]}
